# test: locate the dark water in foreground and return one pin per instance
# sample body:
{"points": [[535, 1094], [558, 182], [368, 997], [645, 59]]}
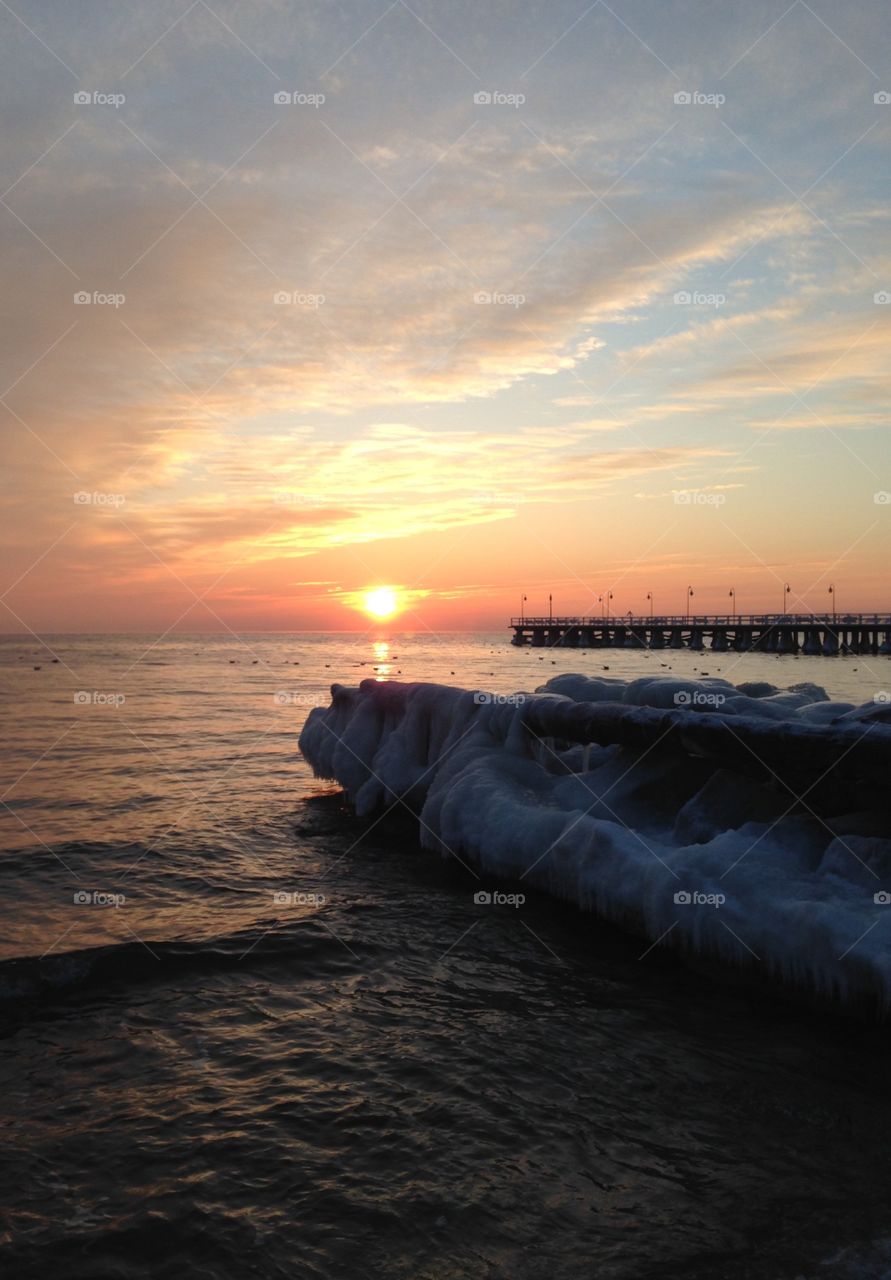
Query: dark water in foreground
{"points": [[208, 1080]]}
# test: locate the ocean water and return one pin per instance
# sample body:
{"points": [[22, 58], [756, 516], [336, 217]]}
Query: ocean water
{"points": [[247, 1034]]}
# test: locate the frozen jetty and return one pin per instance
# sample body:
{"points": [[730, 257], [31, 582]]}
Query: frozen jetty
{"points": [[742, 823]]}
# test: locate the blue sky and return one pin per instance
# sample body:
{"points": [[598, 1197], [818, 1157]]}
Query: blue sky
{"points": [[576, 295]]}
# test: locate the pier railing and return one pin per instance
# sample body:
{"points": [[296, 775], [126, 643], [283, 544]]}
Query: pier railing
{"points": [[808, 633], [709, 620]]}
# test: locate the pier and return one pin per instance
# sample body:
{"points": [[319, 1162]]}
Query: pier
{"points": [[808, 633]]}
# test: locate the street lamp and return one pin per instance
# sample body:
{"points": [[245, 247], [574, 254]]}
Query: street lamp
{"points": [[786, 590], [550, 608], [650, 598], [733, 598], [603, 601], [832, 593], [522, 610], [689, 598]]}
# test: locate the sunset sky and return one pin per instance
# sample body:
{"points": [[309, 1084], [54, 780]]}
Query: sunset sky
{"points": [[682, 376]]}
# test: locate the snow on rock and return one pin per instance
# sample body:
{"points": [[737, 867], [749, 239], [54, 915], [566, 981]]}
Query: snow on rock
{"points": [[746, 823]]}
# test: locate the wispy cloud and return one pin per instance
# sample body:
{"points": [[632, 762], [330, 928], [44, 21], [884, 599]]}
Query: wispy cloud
{"points": [[400, 311]]}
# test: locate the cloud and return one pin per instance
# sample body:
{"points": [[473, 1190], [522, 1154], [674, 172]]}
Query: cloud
{"points": [[385, 399]]}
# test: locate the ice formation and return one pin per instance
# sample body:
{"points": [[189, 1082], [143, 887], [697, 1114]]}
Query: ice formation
{"points": [[739, 822]]}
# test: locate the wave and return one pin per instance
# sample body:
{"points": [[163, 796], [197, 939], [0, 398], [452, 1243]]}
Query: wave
{"points": [[30, 978], [745, 824]]}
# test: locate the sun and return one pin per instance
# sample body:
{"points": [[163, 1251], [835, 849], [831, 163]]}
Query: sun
{"points": [[382, 603]]}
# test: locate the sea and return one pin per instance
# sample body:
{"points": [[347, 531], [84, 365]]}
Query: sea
{"points": [[246, 1034]]}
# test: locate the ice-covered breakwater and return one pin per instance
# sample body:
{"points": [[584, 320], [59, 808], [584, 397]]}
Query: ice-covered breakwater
{"points": [[744, 823]]}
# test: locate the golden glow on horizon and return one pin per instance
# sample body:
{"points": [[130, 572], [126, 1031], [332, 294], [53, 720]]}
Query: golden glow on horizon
{"points": [[587, 433], [381, 603]]}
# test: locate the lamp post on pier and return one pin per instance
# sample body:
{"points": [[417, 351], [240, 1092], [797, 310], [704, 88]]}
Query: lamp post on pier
{"points": [[689, 598], [832, 593], [786, 590], [650, 598], [733, 598]]}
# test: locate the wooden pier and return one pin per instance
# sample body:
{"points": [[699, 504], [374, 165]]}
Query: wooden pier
{"points": [[809, 633]]}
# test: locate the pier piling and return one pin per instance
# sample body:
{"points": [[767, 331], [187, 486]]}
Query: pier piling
{"points": [[808, 633]]}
